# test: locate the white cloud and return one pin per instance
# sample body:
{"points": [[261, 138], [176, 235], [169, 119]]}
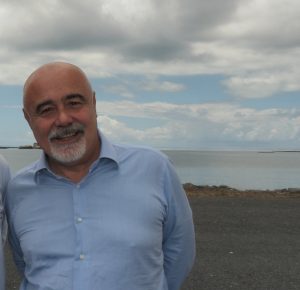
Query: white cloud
{"points": [[162, 86], [120, 89], [130, 89], [264, 84], [202, 124], [118, 130], [156, 136], [254, 87]]}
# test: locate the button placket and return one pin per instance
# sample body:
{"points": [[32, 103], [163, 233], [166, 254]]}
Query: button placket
{"points": [[78, 211]]}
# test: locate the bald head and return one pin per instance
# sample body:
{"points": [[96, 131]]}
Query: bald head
{"points": [[54, 74]]}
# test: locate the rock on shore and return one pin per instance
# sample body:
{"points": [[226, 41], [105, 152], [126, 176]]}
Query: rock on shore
{"points": [[223, 190]]}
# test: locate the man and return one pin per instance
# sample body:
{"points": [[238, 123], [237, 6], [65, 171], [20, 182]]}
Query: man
{"points": [[90, 214], [4, 178]]}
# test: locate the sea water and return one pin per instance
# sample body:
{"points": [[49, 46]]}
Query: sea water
{"points": [[238, 169]]}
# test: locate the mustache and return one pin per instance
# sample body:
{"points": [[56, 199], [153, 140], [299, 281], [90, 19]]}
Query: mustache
{"points": [[61, 132]]}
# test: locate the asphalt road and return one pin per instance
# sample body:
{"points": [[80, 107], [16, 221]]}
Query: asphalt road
{"points": [[242, 244]]}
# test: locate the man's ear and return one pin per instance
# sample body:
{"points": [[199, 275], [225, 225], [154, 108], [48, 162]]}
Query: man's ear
{"points": [[94, 102], [27, 117], [94, 98]]}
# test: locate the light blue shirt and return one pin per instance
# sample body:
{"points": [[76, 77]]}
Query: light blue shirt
{"points": [[126, 226], [4, 178]]}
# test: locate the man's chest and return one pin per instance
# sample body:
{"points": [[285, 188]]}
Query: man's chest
{"points": [[68, 221]]}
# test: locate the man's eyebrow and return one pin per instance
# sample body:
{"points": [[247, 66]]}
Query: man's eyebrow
{"points": [[40, 106], [69, 97], [75, 96]]}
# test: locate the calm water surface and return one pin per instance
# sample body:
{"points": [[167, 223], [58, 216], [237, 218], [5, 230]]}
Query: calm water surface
{"points": [[241, 170]]}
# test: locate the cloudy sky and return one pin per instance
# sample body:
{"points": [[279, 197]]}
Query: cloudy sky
{"points": [[217, 74]]}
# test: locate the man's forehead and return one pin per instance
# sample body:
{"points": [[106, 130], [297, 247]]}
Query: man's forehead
{"points": [[55, 73], [55, 76], [56, 83]]}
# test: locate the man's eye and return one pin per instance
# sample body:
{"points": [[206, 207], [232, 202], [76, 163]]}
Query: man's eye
{"points": [[74, 104], [45, 111]]}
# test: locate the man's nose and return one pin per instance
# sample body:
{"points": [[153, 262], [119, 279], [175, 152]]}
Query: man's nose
{"points": [[63, 118]]}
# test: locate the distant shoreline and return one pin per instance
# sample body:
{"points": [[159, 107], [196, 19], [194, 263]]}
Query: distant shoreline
{"points": [[280, 151], [223, 190], [257, 151]]}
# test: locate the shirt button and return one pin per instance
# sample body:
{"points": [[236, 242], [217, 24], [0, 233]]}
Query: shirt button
{"points": [[81, 257], [79, 220]]}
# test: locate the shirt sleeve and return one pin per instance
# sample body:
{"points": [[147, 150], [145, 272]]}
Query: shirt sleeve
{"points": [[12, 237], [2, 282], [179, 234], [4, 179]]}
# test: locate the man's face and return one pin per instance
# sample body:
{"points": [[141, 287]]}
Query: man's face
{"points": [[59, 106]]}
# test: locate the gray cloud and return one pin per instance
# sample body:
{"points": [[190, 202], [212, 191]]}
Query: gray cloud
{"points": [[164, 27], [61, 25], [243, 40]]}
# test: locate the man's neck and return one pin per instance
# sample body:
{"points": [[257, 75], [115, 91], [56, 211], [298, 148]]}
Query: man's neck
{"points": [[74, 173]]}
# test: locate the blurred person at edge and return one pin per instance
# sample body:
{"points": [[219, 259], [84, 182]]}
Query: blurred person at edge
{"points": [[4, 179], [90, 214]]}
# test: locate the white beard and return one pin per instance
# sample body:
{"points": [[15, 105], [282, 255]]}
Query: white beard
{"points": [[68, 153]]}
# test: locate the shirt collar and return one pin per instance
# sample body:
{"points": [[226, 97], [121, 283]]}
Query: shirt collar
{"points": [[108, 151]]}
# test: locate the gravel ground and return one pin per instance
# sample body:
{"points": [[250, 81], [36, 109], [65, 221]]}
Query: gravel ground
{"points": [[246, 243], [242, 243]]}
